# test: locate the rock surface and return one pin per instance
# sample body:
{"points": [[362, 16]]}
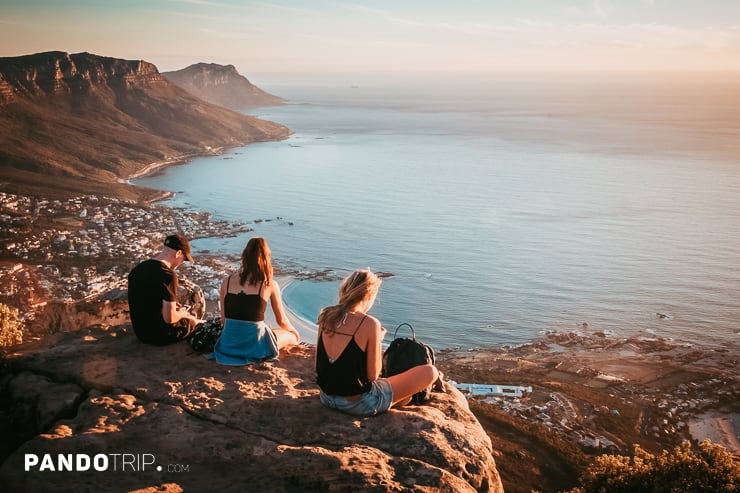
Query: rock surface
{"points": [[219, 428]]}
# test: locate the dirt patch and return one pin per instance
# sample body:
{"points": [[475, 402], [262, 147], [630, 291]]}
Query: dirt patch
{"points": [[594, 395]]}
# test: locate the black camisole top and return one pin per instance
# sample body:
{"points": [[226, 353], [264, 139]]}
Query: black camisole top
{"points": [[348, 374], [243, 306]]}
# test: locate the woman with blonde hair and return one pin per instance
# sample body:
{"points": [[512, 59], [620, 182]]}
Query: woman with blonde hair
{"points": [[349, 355], [246, 337]]}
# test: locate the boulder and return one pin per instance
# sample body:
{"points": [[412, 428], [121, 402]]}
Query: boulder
{"points": [[168, 419], [47, 401]]}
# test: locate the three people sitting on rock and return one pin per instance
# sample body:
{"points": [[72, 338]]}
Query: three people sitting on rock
{"points": [[349, 352]]}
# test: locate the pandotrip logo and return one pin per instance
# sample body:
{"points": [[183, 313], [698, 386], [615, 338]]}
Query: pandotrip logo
{"points": [[123, 462]]}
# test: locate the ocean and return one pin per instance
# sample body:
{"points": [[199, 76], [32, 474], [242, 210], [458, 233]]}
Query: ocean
{"points": [[503, 206]]}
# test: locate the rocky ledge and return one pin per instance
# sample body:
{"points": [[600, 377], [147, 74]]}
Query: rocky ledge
{"points": [[167, 419]]}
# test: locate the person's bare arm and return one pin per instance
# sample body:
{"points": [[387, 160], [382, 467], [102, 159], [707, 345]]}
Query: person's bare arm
{"points": [[173, 314], [374, 350], [222, 296], [281, 317]]}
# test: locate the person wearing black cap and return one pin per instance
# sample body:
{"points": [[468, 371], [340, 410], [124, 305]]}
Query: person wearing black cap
{"points": [[152, 296]]}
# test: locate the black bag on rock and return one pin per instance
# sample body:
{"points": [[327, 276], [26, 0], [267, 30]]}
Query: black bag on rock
{"points": [[404, 353], [205, 336]]}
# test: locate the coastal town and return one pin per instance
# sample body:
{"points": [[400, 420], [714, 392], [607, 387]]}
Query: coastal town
{"points": [[81, 248], [76, 249]]}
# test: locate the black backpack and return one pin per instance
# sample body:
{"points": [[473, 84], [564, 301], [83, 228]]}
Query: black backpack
{"points": [[204, 337], [404, 353]]}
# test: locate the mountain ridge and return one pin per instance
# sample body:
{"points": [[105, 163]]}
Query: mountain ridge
{"points": [[82, 123]]}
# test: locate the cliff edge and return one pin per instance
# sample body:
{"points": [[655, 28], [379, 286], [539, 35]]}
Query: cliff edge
{"points": [[133, 409]]}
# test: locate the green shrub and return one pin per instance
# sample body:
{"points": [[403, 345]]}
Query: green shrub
{"points": [[11, 330], [708, 468]]}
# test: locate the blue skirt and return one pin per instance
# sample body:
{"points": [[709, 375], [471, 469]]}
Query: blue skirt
{"points": [[242, 343]]}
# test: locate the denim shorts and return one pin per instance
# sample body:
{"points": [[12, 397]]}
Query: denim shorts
{"points": [[375, 401]]}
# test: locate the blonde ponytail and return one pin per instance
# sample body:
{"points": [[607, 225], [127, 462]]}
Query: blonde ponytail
{"points": [[359, 286]]}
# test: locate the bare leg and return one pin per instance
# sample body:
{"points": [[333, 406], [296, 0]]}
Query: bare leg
{"points": [[410, 382], [284, 337]]}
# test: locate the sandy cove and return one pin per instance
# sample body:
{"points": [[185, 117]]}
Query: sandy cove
{"points": [[184, 158]]}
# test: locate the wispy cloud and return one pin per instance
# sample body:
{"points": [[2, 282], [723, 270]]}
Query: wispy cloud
{"points": [[205, 3], [229, 35], [389, 17], [532, 32], [245, 6], [659, 36], [12, 22], [364, 42], [603, 8], [282, 8], [223, 18]]}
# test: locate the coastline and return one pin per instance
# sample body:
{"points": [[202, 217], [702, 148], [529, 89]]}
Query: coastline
{"points": [[307, 329], [155, 166]]}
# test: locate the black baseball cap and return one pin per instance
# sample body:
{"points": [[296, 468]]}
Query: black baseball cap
{"points": [[179, 242]]}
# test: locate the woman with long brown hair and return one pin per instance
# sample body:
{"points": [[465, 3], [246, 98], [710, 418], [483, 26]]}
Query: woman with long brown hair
{"points": [[349, 354], [246, 337]]}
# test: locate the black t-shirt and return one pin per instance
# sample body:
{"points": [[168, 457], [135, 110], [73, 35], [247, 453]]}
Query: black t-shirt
{"points": [[150, 283]]}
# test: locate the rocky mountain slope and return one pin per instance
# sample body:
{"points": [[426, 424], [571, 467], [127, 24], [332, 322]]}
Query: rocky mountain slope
{"points": [[211, 427], [222, 85], [82, 123]]}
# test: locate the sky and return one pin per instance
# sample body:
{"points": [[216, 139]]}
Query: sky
{"points": [[386, 36]]}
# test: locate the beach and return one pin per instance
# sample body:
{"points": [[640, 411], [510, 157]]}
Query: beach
{"points": [[722, 429], [156, 166]]}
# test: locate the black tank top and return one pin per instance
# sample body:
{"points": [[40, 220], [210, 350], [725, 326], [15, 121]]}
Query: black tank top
{"points": [[243, 306], [347, 375]]}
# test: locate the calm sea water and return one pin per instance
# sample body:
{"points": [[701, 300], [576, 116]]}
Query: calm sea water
{"points": [[503, 208]]}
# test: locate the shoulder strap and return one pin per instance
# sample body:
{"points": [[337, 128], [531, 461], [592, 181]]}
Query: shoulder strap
{"points": [[359, 325], [353, 333]]}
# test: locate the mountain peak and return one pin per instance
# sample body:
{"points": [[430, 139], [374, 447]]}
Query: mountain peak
{"points": [[222, 85]]}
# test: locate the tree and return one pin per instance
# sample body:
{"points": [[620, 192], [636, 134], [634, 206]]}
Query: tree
{"points": [[708, 468], [11, 330]]}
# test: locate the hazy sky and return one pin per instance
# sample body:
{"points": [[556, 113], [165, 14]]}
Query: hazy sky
{"points": [[272, 36]]}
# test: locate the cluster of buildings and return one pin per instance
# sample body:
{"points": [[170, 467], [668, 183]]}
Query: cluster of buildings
{"points": [[97, 227], [557, 412], [78, 248], [665, 416]]}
